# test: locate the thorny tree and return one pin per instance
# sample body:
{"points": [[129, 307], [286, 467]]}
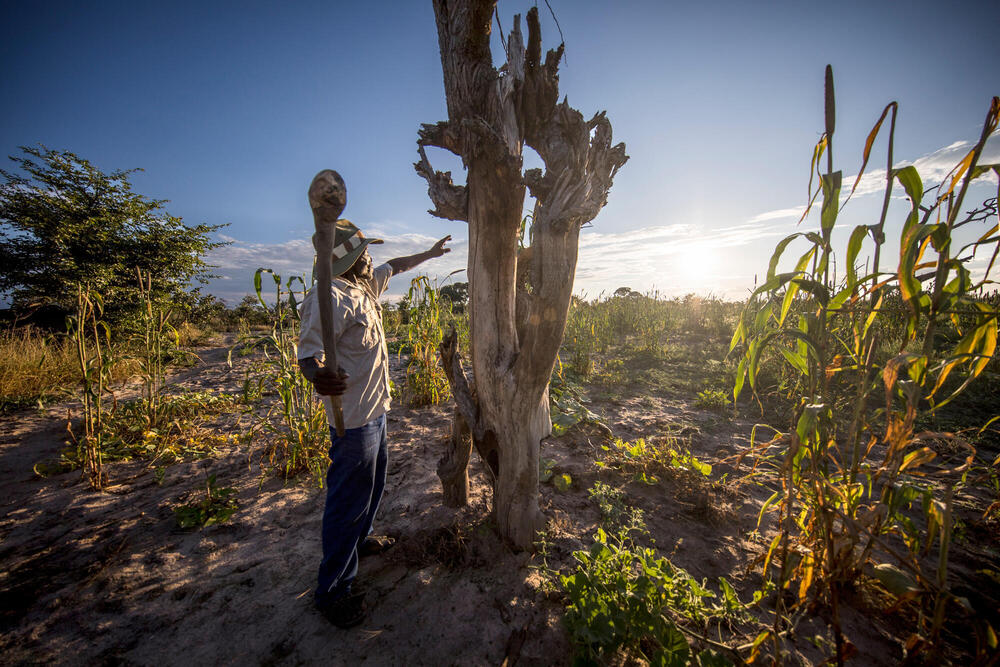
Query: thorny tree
{"points": [[519, 288]]}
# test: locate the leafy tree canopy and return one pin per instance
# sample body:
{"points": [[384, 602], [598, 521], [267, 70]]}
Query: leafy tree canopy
{"points": [[65, 222], [457, 294]]}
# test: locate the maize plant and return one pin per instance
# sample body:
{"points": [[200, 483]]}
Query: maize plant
{"points": [[426, 383], [155, 328], [295, 424], [863, 491], [92, 339]]}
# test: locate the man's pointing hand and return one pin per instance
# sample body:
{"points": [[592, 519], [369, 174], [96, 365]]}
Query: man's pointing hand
{"points": [[438, 248]]}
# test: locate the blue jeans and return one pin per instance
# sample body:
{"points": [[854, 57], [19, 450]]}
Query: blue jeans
{"points": [[354, 485]]}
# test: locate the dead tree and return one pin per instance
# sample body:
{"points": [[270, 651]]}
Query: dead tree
{"points": [[519, 293]]}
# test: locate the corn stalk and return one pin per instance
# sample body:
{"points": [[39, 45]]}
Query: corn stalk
{"points": [[155, 327], [848, 486], [296, 423], [92, 340], [426, 383]]}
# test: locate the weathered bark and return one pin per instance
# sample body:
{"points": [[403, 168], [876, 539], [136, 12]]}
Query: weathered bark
{"points": [[453, 468], [519, 298]]}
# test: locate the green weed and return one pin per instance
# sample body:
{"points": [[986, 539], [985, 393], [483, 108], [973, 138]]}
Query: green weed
{"points": [[616, 514], [568, 405], [711, 399], [295, 426], [546, 473], [562, 482], [648, 460], [627, 601], [545, 469], [216, 507], [180, 435]]}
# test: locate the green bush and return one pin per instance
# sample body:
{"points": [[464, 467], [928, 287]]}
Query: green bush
{"points": [[626, 599]]}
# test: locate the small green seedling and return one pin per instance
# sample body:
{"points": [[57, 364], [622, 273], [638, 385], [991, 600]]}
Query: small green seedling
{"points": [[562, 482], [545, 470], [216, 507]]}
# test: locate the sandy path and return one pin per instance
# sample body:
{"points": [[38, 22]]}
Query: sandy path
{"points": [[107, 578]]}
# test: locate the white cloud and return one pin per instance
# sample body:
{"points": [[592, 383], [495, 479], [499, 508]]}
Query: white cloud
{"points": [[237, 262], [293, 256], [402, 245], [677, 258], [674, 259], [794, 212], [933, 168]]}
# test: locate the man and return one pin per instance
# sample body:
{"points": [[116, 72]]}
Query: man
{"points": [[356, 477]]}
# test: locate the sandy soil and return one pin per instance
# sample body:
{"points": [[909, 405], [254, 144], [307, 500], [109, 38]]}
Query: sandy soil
{"points": [[107, 578]]}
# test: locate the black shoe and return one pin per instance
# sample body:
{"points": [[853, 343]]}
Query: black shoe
{"points": [[375, 544], [347, 611]]}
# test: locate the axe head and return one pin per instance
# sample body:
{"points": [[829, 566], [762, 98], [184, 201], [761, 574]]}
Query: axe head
{"points": [[328, 194]]}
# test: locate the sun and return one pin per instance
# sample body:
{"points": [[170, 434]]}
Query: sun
{"points": [[695, 267]]}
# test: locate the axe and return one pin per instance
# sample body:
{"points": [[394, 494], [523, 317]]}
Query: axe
{"points": [[327, 198]]}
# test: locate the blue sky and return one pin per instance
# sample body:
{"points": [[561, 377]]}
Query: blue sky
{"points": [[231, 108]]}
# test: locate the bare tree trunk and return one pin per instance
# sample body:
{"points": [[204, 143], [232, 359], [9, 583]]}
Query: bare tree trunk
{"points": [[518, 297]]}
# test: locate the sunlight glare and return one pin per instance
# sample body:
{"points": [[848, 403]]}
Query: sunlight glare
{"points": [[695, 267]]}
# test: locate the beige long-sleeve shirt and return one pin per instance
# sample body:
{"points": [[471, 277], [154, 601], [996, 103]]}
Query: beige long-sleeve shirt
{"points": [[361, 350]]}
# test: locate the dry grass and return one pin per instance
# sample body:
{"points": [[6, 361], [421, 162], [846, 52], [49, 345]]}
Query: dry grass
{"points": [[35, 366], [191, 335]]}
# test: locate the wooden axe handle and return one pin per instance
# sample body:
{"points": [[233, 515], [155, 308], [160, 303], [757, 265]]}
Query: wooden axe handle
{"points": [[327, 197]]}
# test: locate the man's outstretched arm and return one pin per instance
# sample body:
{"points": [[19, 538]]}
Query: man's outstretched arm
{"points": [[401, 264]]}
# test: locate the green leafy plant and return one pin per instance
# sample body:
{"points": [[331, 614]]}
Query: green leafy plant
{"points": [[546, 473], [545, 470], [616, 514], [852, 478], [628, 601], [568, 405], [711, 399], [215, 507], [426, 383], [92, 338], [295, 425], [646, 459], [179, 434], [562, 482]]}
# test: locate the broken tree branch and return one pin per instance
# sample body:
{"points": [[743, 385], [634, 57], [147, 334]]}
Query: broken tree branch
{"points": [[441, 135], [451, 362], [450, 201], [453, 468]]}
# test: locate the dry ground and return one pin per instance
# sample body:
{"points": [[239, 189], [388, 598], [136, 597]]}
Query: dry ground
{"points": [[107, 578]]}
